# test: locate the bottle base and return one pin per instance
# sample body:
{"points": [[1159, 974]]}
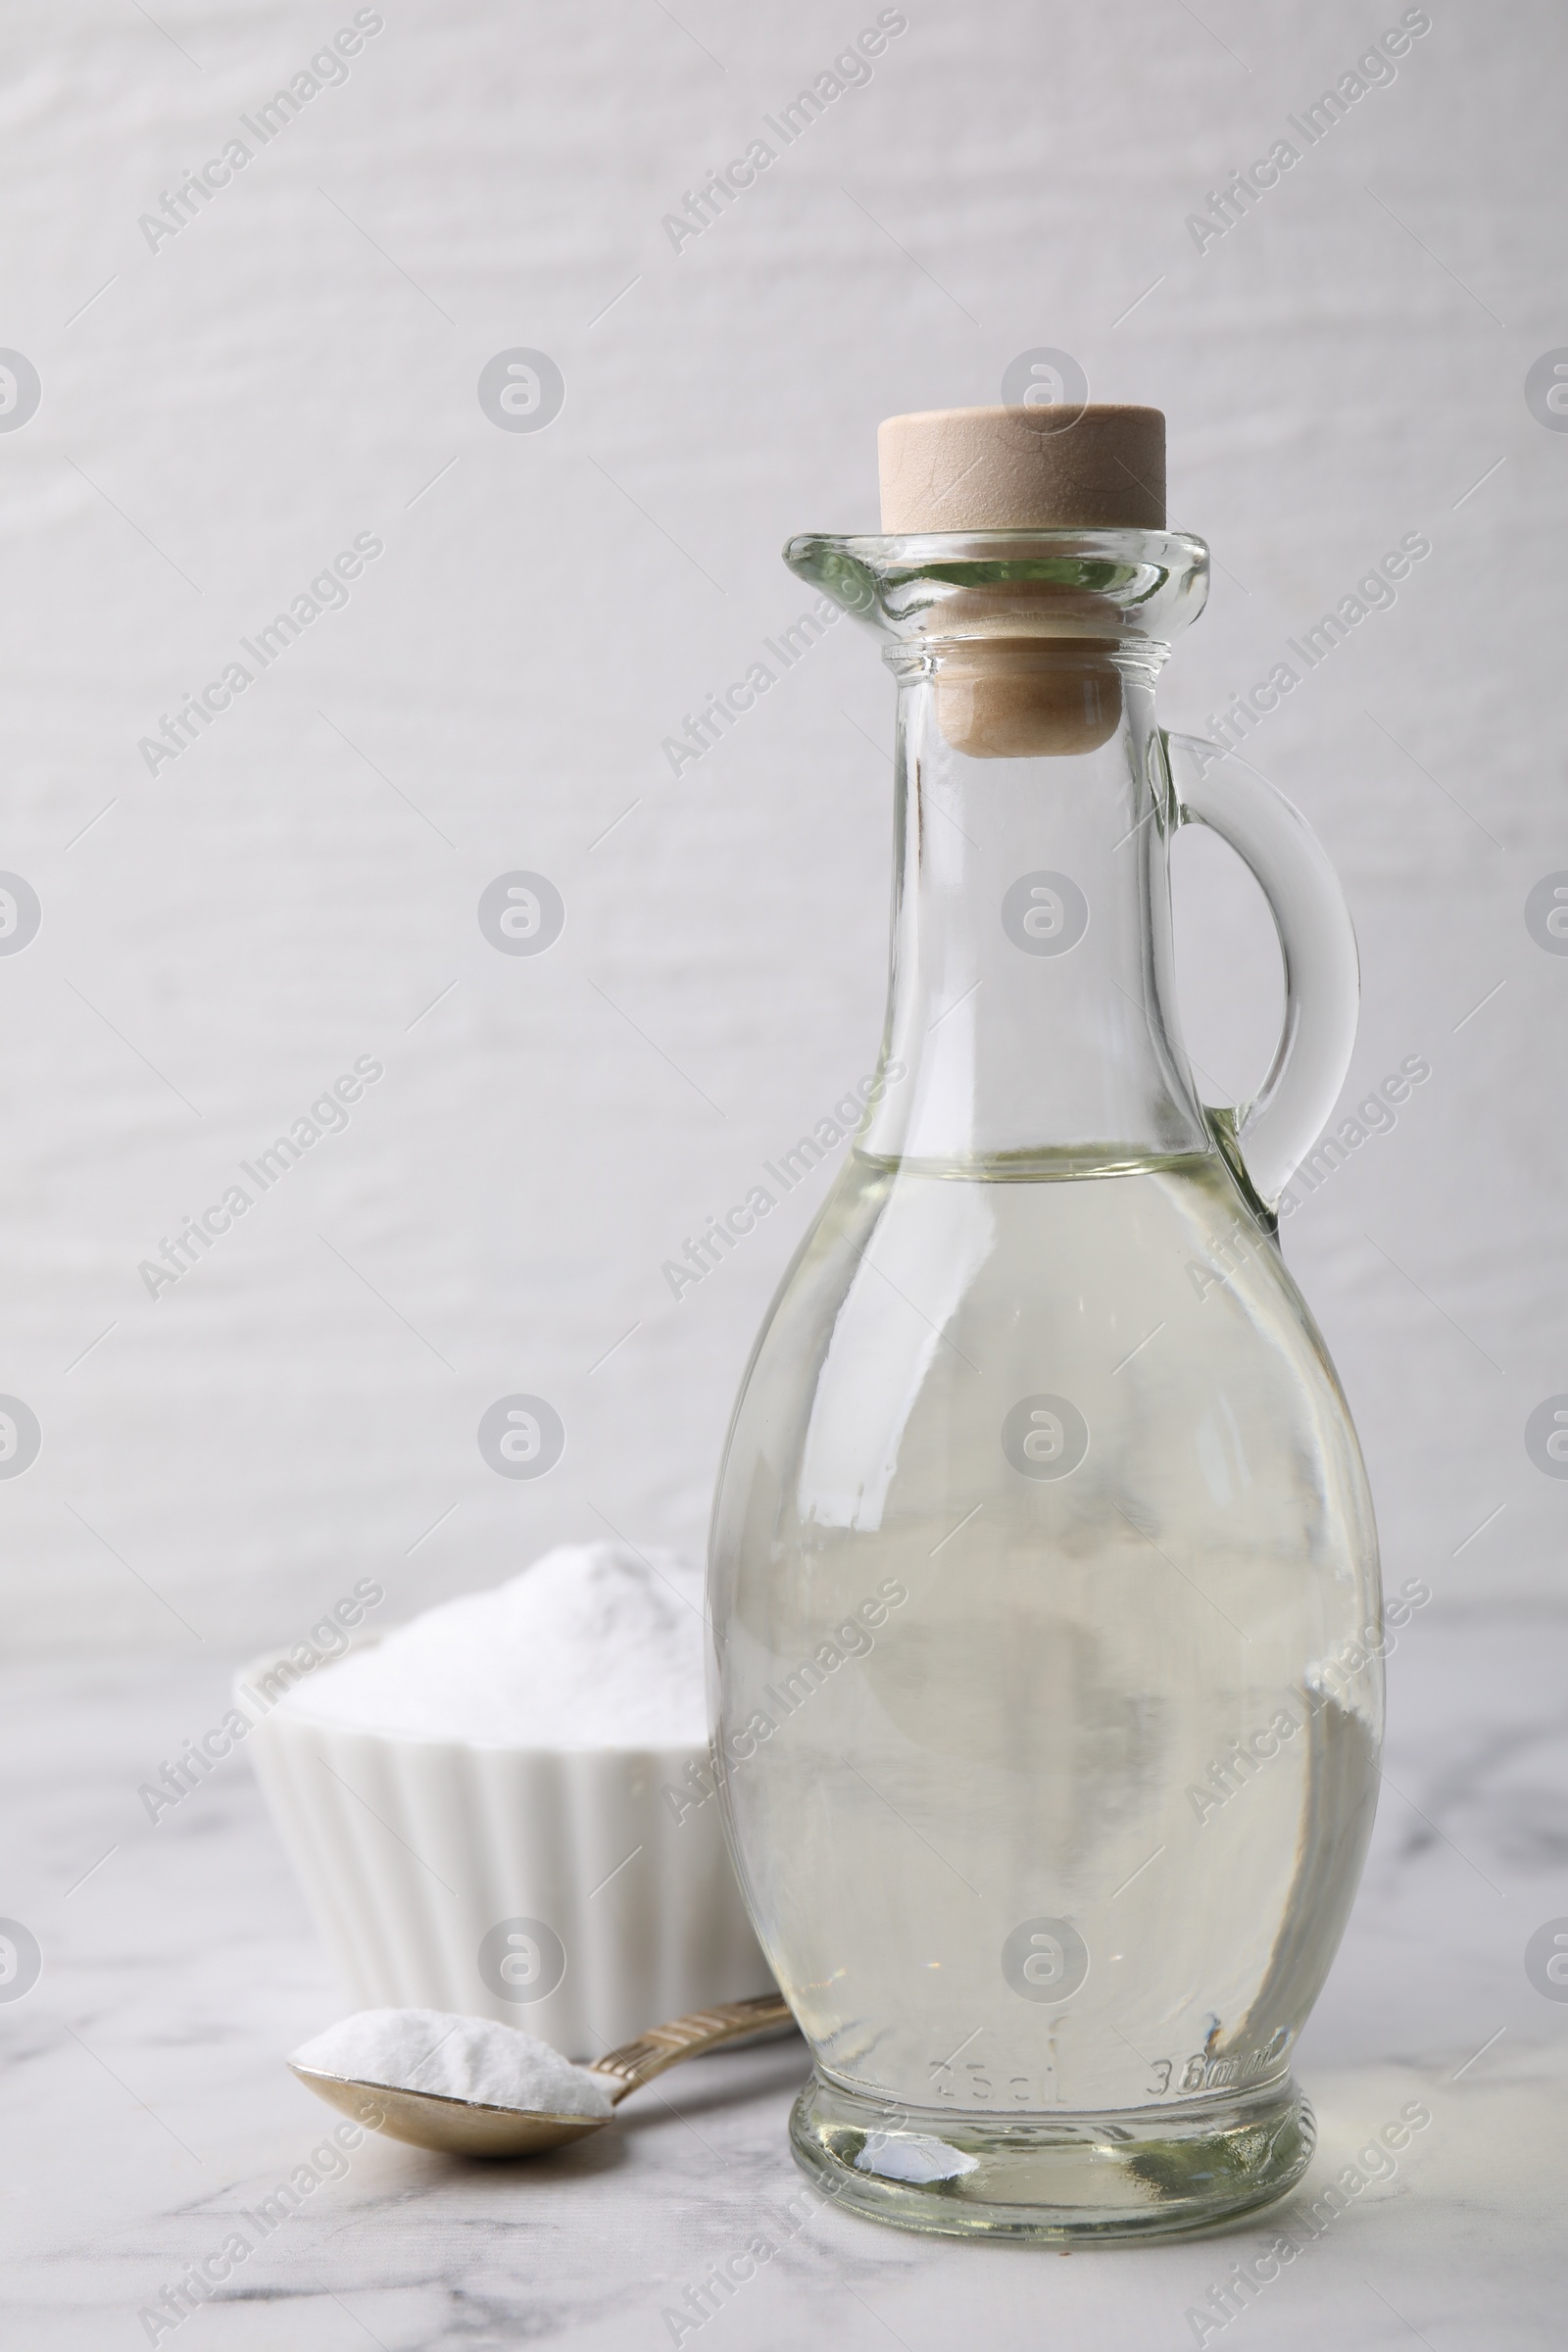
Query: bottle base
{"points": [[1109, 2179]]}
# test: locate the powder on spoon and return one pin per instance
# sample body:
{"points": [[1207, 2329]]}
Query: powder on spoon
{"points": [[595, 1646], [459, 2057]]}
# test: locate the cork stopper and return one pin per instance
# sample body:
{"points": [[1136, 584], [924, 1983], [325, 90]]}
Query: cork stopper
{"points": [[1095, 466]]}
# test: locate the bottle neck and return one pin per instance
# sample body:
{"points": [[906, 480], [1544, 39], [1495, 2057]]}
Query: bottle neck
{"points": [[1030, 1025]]}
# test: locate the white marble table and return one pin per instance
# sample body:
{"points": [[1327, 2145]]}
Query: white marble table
{"points": [[146, 2105]]}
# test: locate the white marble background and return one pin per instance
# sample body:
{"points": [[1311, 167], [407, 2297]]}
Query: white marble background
{"points": [[218, 418], [146, 2105]]}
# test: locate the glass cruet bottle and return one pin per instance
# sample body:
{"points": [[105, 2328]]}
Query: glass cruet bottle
{"points": [[1046, 1630]]}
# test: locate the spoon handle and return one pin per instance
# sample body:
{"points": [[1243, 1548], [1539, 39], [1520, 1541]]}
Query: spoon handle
{"points": [[637, 2062]]}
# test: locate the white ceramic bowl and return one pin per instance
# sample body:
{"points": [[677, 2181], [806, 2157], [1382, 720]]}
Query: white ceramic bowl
{"points": [[553, 1888]]}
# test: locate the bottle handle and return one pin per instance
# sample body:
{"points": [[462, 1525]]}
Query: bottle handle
{"points": [[1274, 1132]]}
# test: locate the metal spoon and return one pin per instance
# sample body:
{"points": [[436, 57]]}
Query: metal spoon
{"points": [[431, 2119]]}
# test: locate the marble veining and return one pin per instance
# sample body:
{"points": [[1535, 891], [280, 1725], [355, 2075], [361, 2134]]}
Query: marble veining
{"points": [[149, 2115]]}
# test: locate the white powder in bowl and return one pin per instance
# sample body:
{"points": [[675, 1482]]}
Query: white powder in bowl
{"points": [[595, 1646], [460, 2057]]}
